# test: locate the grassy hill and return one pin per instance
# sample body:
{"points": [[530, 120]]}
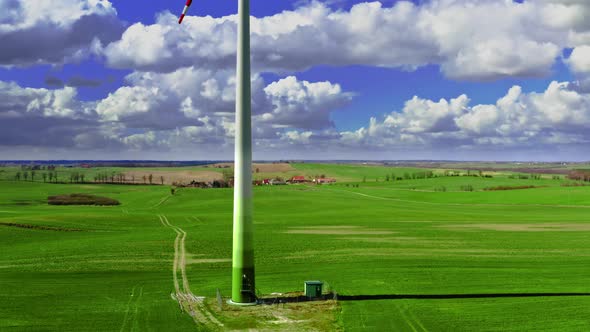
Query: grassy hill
{"points": [[380, 239]]}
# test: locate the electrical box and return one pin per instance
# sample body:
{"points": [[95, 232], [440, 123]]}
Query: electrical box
{"points": [[313, 288]]}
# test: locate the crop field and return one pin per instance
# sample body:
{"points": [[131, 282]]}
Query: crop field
{"points": [[416, 254]]}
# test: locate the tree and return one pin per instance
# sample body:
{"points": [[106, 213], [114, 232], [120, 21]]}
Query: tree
{"points": [[144, 179], [151, 178], [364, 179], [81, 177], [26, 175], [17, 176], [257, 170], [33, 176], [44, 175], [162, 180], [387, 177]]}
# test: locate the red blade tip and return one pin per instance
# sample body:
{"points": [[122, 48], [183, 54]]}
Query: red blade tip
{"points": [[181, 18]]}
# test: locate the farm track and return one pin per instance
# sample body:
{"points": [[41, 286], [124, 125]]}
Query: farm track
{"points": [[459, 204], [189, 302], [162, 201], [132, 318]]}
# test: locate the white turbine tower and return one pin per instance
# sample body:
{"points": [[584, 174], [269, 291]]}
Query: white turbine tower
{"points": [[243, 281]]}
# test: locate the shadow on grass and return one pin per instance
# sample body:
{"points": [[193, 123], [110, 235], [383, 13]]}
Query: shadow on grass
{"points": [[341, 297], [450, 296]]}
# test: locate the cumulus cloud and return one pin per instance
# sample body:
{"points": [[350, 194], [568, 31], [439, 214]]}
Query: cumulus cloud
{"points": [[16, 101], [199, 98], [182, 92], [301, 104], [559, 115], [54, 32], [138, 118], [421, 115], [579, 60], [296, 137], [48, 118], [162, 111], [474, 40]]}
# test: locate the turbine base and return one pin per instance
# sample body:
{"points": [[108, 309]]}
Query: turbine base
{"points": [[242, 304]]}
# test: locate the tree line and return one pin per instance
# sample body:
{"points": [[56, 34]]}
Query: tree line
{"points": [[79, 177]]}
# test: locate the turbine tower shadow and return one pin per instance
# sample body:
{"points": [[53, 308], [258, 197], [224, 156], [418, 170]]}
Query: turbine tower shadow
{"points": [[451, 296], [374, 297]]}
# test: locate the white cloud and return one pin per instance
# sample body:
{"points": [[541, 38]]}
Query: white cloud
{"points": [[302, 104], [557, 118], [141, 142], [421, 115], [482, 120], [16, 101], [474, 40], [579, 60], [296, 137], [49, 118], [54, 32], [128, 101], [559, 115], [196, 106]]}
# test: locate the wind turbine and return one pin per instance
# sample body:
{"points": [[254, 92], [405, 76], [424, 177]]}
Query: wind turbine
{"points": [[243, 281]]}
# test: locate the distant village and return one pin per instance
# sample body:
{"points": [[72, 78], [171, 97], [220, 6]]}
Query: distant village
{"points": [[277, 181]]}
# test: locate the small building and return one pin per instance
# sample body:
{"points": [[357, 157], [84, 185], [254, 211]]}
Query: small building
{"points": [[313, 288], [298, 179], [324, 180], [277, 182]]}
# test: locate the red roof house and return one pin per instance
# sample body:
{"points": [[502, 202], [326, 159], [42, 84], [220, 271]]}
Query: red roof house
{"points": [[298, 179]]}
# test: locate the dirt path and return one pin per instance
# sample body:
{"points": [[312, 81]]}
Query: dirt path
{"points": [[162, 201], [189, 302]]}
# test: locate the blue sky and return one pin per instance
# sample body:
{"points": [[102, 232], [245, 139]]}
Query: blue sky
{"points": [[444, 79]]}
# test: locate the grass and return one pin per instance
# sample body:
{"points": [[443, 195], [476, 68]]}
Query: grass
{"points": [[382, 238]]}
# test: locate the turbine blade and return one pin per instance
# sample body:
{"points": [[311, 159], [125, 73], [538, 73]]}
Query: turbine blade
{"points": [[188, 4]]}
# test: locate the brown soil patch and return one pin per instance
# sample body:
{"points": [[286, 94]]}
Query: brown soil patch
{"points": [[540, 227], [42, 228], [426, 252], [402, 240], [81, 199], [337, 253], [338, 230], [175, 176], [292, 316], [262, 168]]}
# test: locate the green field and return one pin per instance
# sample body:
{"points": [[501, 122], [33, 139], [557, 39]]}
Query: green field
{"points": [[409, 257]]}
